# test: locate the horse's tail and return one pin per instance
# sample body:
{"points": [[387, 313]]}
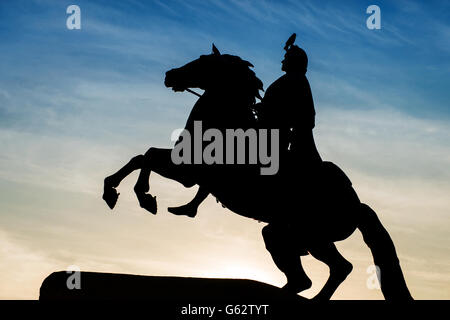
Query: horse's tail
{"points": [[377, 238]]}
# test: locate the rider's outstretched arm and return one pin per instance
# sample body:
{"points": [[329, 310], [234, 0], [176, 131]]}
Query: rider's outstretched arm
{"points": [[190, 209]]}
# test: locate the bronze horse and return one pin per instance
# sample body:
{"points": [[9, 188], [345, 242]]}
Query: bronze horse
{"points": [[314, 216]]}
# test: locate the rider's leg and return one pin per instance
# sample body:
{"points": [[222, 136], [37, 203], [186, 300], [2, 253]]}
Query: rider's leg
{"points": [[340, 268], [286, 257], [190, 209], [111, 182]]}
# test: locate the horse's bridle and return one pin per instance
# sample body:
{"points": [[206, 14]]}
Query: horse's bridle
{"points": [[193, 92]]}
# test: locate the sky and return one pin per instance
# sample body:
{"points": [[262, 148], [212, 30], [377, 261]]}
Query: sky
{"points": [[76, 105]]}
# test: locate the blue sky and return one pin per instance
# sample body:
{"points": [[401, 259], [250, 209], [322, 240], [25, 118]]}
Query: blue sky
{"points": [[138, 41], [75, 105]]}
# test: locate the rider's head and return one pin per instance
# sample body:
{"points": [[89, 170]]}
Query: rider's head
{"points": [[295, 60]]}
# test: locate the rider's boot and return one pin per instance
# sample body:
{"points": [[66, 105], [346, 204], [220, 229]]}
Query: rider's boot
{"points": [[189, 209]]}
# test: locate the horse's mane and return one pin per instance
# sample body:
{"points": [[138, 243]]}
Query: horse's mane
{"points": [[242, 76]]}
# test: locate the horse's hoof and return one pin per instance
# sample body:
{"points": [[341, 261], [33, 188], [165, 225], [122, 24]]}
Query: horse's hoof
{"points": [[297, 285], [110, 195], [148, 202]]}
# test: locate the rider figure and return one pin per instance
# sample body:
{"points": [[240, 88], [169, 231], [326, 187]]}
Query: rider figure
{"points": [[288, 106]]}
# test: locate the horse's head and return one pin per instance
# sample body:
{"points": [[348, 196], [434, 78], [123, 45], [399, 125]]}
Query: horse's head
{"points": [[194, 74], [214, 70]]}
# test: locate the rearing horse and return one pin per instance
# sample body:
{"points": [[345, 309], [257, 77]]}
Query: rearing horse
{"points": [[323, 213]]}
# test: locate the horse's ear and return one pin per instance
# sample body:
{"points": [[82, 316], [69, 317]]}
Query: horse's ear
{"points": [[215, 50]]}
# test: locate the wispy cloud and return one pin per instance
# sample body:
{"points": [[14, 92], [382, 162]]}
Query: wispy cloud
{"points": [[75, 106]]}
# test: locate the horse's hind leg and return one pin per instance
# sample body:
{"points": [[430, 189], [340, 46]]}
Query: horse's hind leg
{"points": [[286, 255], [111, 182], [339, 269]]}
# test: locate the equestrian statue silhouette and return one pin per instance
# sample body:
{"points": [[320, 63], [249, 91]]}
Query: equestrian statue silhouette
{"points": [[308, 204]]}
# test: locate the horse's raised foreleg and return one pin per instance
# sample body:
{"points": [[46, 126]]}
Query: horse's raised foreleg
{"points": [[146, 200], [339, 268], [159, 161], [111, 182]]}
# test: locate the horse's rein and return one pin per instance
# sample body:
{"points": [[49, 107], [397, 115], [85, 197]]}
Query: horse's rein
{"points": [[193, 92]]}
